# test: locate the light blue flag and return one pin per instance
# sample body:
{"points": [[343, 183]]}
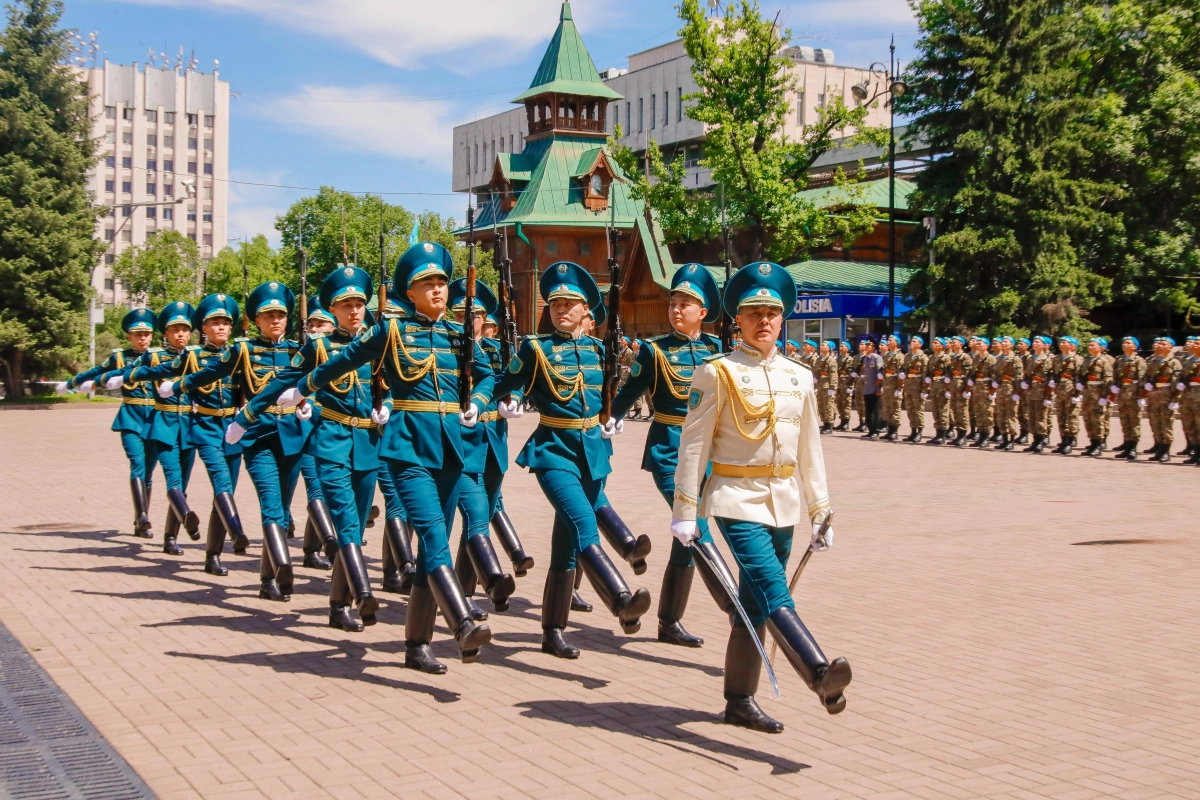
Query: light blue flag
{"points": [[415, 235]]}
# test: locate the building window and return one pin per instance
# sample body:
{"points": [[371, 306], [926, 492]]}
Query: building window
{"points": [[820, 101], [208, 239], [208, 216], [110, 112], [551, 246], [169, 117], [585, 248], [151, 188], [191, 216], [208, 144], [168, 141], [679, 104], [108, 234], [192, 167], [126, 138], [151, 116], [191, 143], [628, 118], [168, 165], [616, 115], [208, 168], [110, 186], [108, 259], [152, 139], [191, 236], [168, 190], [476, 158], [151, 165], [110, 137], [126, 235], [510, 143], [666, 108], [208, 193], [467, 158], [800, 108], [653, 112], [208, 123], [126, 211], [641, 107], [191, 119], [110, 161], [127, 187], [127, 162], [127, 113], [151, 213], [168, 213]]}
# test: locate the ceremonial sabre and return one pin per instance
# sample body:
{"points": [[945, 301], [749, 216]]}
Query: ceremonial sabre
{"points": [[732, 592], [825, 526]]}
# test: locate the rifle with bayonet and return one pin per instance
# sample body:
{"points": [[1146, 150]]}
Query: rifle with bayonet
{"points": [[377, 376], [466, 366], [506, 312], [726, 324], [612, 337], [303, 331]]}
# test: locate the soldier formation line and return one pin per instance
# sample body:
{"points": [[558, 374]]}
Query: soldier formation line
{"points": [[416, 405]]}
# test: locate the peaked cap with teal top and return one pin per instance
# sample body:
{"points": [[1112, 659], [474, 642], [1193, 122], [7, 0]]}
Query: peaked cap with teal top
{"points": [[216, 305], [696, 281], [422, 260], [345, 283], [316, 310], [600, 312], [485, 300], [763, 283], [568, 279], [175, 313], [140, 319], [270, 296]]}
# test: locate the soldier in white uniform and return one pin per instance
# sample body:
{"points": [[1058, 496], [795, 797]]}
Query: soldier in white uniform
{"points": [[752, 413]]}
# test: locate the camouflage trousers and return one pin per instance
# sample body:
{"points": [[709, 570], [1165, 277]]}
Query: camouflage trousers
{"points": [[914, 404], [892, 405], [1162, 418], [1189, 410], [1007, 409], [1130, 413], [983, 405], [959, 405], [940, 403], [1067, 412], [860, 403], [1095, 416], [845, 399], [827, 402], [1035, 410]]}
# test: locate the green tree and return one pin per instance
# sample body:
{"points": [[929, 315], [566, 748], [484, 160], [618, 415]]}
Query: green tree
{"points": [[743, 84], [163, 270], [1001, 89], [263, 263], [47, 218]]}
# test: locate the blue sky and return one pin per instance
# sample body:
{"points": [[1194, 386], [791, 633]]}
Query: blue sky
{"points": [[363, 94]]}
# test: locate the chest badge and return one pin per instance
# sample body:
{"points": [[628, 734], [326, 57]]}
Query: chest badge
{"points": [[410, 339], [795, 382], [674, 359], [745, 379], [557, 357]]}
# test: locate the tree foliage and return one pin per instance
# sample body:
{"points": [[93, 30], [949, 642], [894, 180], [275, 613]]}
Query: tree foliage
{"points": [[47, 218], [165, 269], [227, 271]]}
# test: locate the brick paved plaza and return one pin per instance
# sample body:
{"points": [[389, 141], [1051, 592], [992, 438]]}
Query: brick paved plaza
{"points": [[1001, 646]]}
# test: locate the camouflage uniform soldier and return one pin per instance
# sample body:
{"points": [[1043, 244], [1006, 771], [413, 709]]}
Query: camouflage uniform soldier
{"points": [[1189, 403], [937, 386], [892, 391], [1006, 381], [809, 358], [825, 370], [960, 394], [860, 397], [913, 376], [1129, 373], [983, 394], [1037, 394], [1160, 396], [1066, 399], [1025, 353], [1095, 382], [845, 392]]}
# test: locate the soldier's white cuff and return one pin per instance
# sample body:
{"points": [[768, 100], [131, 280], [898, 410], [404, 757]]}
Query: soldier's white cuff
{"points": [[817, 509], [686, 504]]}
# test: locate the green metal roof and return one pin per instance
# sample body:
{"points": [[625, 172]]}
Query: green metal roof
{"points": [[873, 192], [515, 166], [835, 277], [566, 67], [586, 162]]}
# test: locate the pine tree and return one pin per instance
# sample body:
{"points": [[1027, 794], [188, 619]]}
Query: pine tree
{"points": [[47, 219], [1000, 89]]}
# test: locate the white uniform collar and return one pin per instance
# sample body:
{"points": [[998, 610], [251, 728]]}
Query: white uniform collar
{"points": [[756, 354]]}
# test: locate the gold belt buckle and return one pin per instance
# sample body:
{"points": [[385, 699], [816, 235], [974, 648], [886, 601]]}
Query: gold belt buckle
{"points": [[354, 422], [442, 408], [776, 470]]}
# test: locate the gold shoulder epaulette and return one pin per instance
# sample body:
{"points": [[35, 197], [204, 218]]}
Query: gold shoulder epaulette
{"points": [[714, 357], [316, 336], [242, 339]]}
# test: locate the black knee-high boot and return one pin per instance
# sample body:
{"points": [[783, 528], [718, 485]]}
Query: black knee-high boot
{"points": [[340, 598], [742, 669], [630, 548], [275, 571], [360, 583], [179, 503], [141, 508], [577, 601], [672, 602], [232, 521], [556, 609], [171, 534], [418, 632], [465, 572], [498, 585], [318, 533], [826, 679], [628, 607], [399, 565], [503, 528], [213, 544], [469, 634]]}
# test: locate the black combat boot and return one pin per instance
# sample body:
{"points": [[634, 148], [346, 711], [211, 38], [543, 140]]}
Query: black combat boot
{"points": [[844, 425], [1120, 451], [227, 509], [961, 439], [742, 668], [672, 602], [503, 528], [938, 437], [469, 634], [1006, 443], [711, 580], [1131, 453], [318, 532], [826, 428], [179, 503], [1068, 445], [912, 436], [1103, 446], [1151, 450], [985, 439], [632, 549], [497, 584], [860, 428], [1195, 459], [275, 568], [399, 564], [980, 440], [171, 534], [628, 607], [995, 437], [355, 569], [1039, 444], [418, 632], [916, 437], [577, 601], [141, 508], [214, 542], [1187, 451], [464, 570], [556, 608], [892, 433], [1096, 449], [1023, 438], [340, 598], [827, 680], [1164, 454], [973, 434], [871, 433]]}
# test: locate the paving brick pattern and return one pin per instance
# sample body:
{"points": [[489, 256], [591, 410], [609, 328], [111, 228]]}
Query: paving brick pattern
{"points": [[996, 653]]}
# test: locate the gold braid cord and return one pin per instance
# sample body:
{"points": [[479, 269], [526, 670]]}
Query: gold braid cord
{"points": [[342, 385], [752, 413], [253, 382], [191, 365], [679, 385], [553, 374], [395, 346]]}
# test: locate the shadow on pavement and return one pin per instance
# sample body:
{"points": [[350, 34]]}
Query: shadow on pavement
{"points": [[662, 724]]}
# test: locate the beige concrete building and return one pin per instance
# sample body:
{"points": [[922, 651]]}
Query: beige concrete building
{"points": [[159, 128], [652, 87]]}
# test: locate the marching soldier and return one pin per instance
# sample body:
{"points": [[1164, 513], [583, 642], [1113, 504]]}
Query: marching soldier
{"points": [[1129, 373], [1024, 349], [752, 421], [320, 537], [1159, 396], [913, 377], [859, 376], [1066, 399], [891, 390], [1006, 382], [983, 367], [937, 386], [344, 441], [664, 367], [1037, 394], [960, 392], [825, 369], [1189, 401], [562, 374], [134, 416], [846, 380], [1095, 383]]}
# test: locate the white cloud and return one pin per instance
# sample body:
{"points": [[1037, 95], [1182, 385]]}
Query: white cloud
{"points": [[252, 209], [405, 33]]}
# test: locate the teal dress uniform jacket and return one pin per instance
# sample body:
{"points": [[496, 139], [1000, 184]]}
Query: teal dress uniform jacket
{"points": [[137, 405], [488, 441]]}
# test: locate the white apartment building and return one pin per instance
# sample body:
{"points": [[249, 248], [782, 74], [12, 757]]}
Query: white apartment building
{"points": [[158, 128], [653, 87]]}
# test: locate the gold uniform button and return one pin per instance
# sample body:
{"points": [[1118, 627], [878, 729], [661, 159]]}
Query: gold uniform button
{"points": [[354, 422]]}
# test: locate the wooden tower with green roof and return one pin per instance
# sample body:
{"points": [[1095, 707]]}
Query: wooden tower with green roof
{"points": [[554, 199]]}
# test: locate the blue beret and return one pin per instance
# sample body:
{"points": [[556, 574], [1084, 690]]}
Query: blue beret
{"points": [[986, 341], [1133, 340], [811, 343], [1166, 339], [918, 339], [1024, 340]]}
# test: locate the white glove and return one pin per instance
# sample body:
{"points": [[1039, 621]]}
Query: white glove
{"points": [[821, 543], [1024, 385], [995, 384], [1141, 402], [1115, 389], [1016, 398], [946, 379], [1180, 386], [1079, 387], [114, 382], [1052, 384], [510, 409], [304, 412], [1103, 401], [166, 389], [1075, 399], [289, 398], [234, 432], [897, 393], [1173, 406], [850, 391], [614, 427], [469, 417], [947, 395], [685, 531], [923, 395], [1149, 387], [929, 380], [832, 392], [966, 395], [62, 388], [380, 417], [853, 374], [1047, 403], [903, 376], [970, 381]]}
